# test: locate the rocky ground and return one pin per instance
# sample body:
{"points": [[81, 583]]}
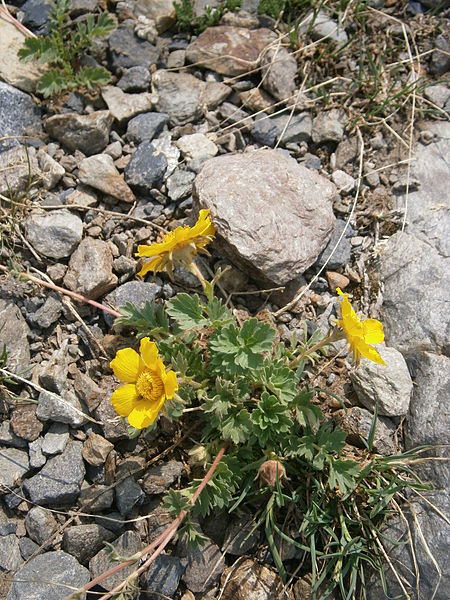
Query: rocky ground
{"points": [[309, 184]]}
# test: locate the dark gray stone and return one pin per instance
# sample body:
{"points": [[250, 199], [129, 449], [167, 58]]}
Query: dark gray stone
{"points": [[128, 495], [342, 254], [146, 169], [54, 234], [126, 545], [128, 51], [49, 576], [83, 541], [9, 438], [27, 547], [135, 79], [59, 481], [14, 335], [87, 133], [40, 524], [14, 464], [48, 313], [10, 557], [296, 127], [204, 566], [7, 526], [264, 132], [163, 577], [146, 126], [36, 15], [19, 115], [240, 536], [159, 478], [136, 292]]}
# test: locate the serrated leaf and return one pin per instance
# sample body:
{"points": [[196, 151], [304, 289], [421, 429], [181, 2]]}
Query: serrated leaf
{"points": [[53, 82], [217, 313], [237, 427], [89, 77], [187, 311], [270, 420], [343, 475], [150, 320], [278, 379], [306, 413]]}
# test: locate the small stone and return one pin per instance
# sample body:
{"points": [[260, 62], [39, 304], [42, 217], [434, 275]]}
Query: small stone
{"points": [[128, 495], [158, 479], [146, 169], [84, 541], [90, 269], [14, 333], [163, 576], [265, 132], [114, 150], [51, 171], [179, 185], [126, 545], [96, 449], [7, 526], [279, 72], [387, 386], [53, 374], [196, 149], [27, 547], [252, 580], [87, 133], [176, 59], [204, 566], [124, 106], [62, 409], [18, 169], [48, 313], [40, 524], [14, 464], [146, 126], [37, 459], [323, 26], [99, 172], [16, 73], [240, 536], [10, 557], [82, 197], [327, 127], [55, 439], [439, 94], [55, 234], [48, 576], [341, 251], [336, 280], [293, 129], [19, 115], [9, 438], [59, 481], [114, 429], [161, 12], [135, 79], [136, 292], [344, 183], [128, 51], [96, 498], [256, 99]]}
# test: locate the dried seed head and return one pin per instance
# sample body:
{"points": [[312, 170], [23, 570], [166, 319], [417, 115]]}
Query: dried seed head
{"points": [[270, 470]]}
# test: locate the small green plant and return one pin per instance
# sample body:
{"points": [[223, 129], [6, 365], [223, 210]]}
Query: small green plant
{"points": [[189, 21], [63, 48], [285, 461]]}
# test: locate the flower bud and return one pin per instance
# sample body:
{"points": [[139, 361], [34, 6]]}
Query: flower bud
{"points": [[270, 470]]}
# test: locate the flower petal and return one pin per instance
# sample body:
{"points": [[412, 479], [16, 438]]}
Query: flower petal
{"points": [[127, 365], [149, 352], [124, 399], [143, 415], [373, 331], [369, 352], [170, 384]]}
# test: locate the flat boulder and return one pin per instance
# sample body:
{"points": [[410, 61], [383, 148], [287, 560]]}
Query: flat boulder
{"points": [[273, 216]]}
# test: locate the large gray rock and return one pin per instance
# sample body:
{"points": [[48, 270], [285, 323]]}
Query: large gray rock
{"points": [[425, 524], [127, 544], [12, 70], [54, 234], [14, 336], [415, 299], [387, 387], [428, 421], [19, 115], [99, 172], [59, 481], [88, 133], [90, 269], [272, 215], [184, 97], [51, 576], [229, 50], [137, 292]]}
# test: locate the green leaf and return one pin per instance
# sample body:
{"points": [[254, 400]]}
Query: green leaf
{"points": [[150, 320], [277, 378], [237, 427], [217, 313], [270, 420], [343, 474], [90, 77], [306, 413], [239, 350], [187, 311], [52, 83]]}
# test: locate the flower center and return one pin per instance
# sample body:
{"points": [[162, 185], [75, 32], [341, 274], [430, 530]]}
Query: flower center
{"points": [[149, 386]]}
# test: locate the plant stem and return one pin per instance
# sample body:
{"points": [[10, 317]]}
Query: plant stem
{"points": [[65, 292], [160, 543], [328, 339], [196, 271]]}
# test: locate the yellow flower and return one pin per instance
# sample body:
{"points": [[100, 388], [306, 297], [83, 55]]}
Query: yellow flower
{"points": [[147, 387], [178, 246], [360, 334]]}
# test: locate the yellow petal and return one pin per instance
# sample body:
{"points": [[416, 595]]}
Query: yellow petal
{"points": [[144, 415], [151, 265], [124, 399], [373, 331], [369, 352], [149, 352], [127, 365], [170, 384]]}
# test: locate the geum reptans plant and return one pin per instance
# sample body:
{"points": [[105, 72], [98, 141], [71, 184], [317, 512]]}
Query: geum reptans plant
{"points": [[286, 462]]}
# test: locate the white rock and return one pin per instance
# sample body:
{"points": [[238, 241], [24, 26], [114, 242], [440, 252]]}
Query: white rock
{"points": [[388, 387], [196, 149]]}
